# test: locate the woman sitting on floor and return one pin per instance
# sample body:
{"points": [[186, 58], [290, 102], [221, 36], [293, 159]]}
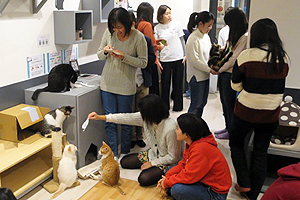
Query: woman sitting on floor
{"points": [[203, 173], [159, 130]]}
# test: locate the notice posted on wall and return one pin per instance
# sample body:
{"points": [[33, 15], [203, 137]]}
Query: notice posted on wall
{"points": [[71, 53], [36, 65], [53, 59]]}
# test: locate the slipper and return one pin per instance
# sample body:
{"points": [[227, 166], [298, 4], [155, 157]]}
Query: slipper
{"points": [[220, 131], [224, 135]]}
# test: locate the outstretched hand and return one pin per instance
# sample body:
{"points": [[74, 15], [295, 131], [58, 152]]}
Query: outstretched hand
{"points": [[95, 116]]}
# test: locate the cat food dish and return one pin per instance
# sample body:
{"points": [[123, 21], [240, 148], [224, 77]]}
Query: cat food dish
{"points": [[85, 124]]}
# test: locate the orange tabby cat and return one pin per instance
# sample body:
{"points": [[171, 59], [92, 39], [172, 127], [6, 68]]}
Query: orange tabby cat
{"points": [[110, 168]]}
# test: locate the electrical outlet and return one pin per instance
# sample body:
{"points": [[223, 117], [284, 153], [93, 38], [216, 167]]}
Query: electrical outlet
{"points": [[43, 40]]}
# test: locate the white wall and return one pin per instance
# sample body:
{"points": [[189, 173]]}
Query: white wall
{"points": [[287, 17]]}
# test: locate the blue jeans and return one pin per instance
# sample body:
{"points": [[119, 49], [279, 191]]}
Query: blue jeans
{"points": [[115, 103], [196, 191], [199, 94]]}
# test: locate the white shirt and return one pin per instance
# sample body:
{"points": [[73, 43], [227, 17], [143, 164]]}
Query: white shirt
{"points": [[223, 36], [165, 149], [197, 54], [170, 32]]}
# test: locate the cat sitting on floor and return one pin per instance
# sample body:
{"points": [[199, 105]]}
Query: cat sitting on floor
{"points": [[54, 118], [67, 173], [110, 174], [60, 79]]}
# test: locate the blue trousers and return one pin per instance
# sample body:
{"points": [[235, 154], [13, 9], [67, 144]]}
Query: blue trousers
{"points": [[196, 191], [115, 103], [199, 94]]}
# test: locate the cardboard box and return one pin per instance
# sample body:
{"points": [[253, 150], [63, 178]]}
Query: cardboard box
{"points": [[14, 122]]}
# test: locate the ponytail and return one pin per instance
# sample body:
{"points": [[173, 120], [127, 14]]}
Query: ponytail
{"points": [[195, 18]]}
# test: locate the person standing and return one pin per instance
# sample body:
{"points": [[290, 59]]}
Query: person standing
{"points": [[171, 56], [145, 25], [197, 51], [128, 50], [259, 74], [236, 19]]}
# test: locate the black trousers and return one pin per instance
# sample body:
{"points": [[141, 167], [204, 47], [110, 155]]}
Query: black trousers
{"points": [[254, 176], [175, 71], [154, 88]]}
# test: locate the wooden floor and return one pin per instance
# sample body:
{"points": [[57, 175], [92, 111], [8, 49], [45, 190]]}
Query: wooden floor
{"points": [[132, 189]]}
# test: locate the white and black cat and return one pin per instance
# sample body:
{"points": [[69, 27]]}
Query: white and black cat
{"points": [[54, 118], [66, 172], [59, 80]]}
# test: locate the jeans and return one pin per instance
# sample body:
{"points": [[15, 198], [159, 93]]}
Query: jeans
{"points": [[196, 191], [175, 70], [199, 94], [254, 176], [227, 96], [115, 103]]}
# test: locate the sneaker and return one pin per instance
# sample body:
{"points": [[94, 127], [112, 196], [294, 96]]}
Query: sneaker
{"points": [[141, 143], [220, 131], [224, 135]]}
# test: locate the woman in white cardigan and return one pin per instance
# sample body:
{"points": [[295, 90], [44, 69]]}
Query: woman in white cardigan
{"points": [[159, 131], [197, 53]]}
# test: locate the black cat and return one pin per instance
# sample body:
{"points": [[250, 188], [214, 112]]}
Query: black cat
{"points": [[59, 80]]}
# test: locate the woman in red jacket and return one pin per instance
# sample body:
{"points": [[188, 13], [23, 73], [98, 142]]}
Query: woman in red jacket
{"points": [[203, 173]]}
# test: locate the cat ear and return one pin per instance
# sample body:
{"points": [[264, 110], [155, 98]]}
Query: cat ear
{"points": [[72, 107], [70, 148], [103, 142], [67, 143]]}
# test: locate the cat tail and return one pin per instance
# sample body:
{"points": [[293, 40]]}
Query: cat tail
{"points": [[120, 190], [60, 190], [37, 92]]}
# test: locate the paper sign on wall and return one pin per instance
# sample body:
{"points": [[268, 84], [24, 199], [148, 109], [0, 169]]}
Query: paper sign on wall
{"points": [[36, 65], [54, 58]]}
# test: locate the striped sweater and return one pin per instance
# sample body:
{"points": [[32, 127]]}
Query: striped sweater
{"points": [[260, 93]]}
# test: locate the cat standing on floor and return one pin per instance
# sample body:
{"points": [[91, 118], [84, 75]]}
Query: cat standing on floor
{"points": [[54, 118], [60, 79], [67, 173], [110, 168]]}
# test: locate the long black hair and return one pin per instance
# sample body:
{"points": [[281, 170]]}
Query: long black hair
{"points": [[196, 17], [264, 33], [122, 16], [153, 109], [145, 12], [193, 126], [237, 21]]}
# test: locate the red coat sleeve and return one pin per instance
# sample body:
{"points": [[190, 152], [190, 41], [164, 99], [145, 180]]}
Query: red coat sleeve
{"points": [[195, 168]]}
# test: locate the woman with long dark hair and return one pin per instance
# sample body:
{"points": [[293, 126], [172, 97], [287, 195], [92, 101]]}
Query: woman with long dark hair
{"points": [[236, 19], [259, 74], [197, 52]]}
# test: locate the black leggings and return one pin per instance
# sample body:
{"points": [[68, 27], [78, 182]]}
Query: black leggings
{"points": [[148, 176]]}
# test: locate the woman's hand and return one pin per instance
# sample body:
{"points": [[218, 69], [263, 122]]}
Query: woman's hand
{"points": [[107, 47], [159, 66], [213, 71], [184, 59], [146, 165], [160, 184], [95, 116], [118, 54]]}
